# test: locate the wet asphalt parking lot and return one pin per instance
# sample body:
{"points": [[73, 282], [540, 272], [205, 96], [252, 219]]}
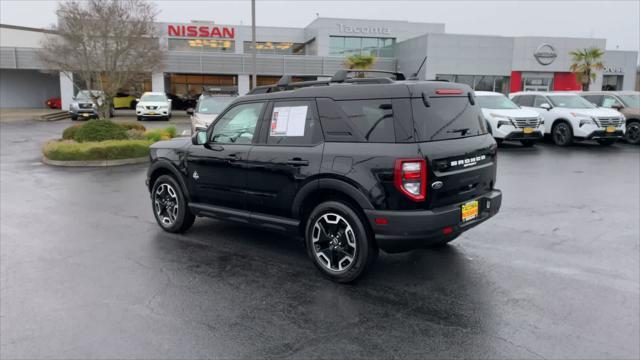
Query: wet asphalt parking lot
{"points": [[87, 273]]}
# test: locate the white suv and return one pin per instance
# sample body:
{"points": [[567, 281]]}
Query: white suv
{"points": [[507, 121], [569, 117], [153, 105]]}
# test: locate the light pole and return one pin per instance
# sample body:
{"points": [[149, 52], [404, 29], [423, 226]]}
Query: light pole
{"points": [[254, 79]]}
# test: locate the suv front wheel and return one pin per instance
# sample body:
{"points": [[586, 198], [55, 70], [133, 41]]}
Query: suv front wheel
{"points": [[562, 134], [170, 206], [337, 242], [632, 134]]}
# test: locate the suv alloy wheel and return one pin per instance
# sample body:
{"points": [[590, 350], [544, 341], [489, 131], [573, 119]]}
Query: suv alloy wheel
{"points": [[632, 134], [562, 134], [169, 205], [337, 241]]}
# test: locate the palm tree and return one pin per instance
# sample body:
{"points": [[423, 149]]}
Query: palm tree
{"points": [[585, 63], [360, 62]]}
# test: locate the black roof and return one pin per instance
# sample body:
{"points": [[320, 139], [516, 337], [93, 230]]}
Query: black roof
{"points": [[355, 91]]}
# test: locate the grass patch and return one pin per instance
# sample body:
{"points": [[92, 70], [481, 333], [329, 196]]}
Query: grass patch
{"points": [[103, 150], [161, 134]]}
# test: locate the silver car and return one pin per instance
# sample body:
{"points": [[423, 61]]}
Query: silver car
{"points": [[207, 109]]}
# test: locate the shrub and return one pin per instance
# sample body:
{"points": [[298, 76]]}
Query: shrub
{"points": [[70, 132], [132, 126], [161, 134], [100, 130], [135, 134], [104, 150]]}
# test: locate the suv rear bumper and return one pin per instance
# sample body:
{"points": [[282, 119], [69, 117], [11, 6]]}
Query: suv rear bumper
{"points": [[408, 230]]}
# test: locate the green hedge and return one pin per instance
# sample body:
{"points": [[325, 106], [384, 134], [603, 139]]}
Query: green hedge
{"points": [[104, 150], [100, 130], [70, 132]]}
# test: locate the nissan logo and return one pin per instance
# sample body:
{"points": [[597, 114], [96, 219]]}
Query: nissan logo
{"points": [[545, 54]]}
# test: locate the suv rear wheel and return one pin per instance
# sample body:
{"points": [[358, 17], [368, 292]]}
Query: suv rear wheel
{"points": [[562, 134], [337, 242], [170, 206]]}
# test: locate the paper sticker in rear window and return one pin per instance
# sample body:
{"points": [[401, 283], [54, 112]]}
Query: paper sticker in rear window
{"points": [[288, 120]]}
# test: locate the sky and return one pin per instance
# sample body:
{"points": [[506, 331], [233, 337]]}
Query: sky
{"points": [[616, 21]]}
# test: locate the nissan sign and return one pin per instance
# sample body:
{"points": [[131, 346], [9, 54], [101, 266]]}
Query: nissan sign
{"points": [[545, 54], [200, 31]]}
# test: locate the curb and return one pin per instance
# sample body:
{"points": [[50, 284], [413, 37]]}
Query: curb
{"points": [[95, 163]]}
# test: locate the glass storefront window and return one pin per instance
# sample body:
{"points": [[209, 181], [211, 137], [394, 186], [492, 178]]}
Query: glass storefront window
{"points": [[484, 83], [465, 79], [208, 45], [479, 82], [611, 82], [190, 85], [276, 48], [350, 45]]}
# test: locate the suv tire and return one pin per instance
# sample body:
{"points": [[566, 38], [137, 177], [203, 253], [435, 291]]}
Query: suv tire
{"points": [[562, 134], [170, 206], [632, 135], [74, 117], [338, 242]]}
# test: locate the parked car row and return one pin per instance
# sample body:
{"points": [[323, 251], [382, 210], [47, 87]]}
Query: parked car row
{"points": [[565, 117]]}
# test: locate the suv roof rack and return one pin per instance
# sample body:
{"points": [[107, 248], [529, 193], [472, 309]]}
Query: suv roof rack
{"points": [[341, 76]]}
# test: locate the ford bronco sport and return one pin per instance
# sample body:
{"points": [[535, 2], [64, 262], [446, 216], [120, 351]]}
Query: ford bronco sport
{"points": [[352, 165]]}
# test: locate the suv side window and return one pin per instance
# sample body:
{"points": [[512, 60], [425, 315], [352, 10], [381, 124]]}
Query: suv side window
{"points": [[594, 99], [524, 100], [372, 119], [238, 125], [293, 123], [609, 101], [539, 100], [357, 120]]}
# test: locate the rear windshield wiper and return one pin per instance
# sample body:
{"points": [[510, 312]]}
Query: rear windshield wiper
{"points": [[462, 131]]}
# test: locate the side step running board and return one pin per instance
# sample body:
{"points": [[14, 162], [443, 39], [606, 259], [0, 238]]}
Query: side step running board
{"points": [[247, 217]]}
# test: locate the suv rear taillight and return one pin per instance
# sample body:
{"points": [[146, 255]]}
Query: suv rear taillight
{"points": [[410, 178]]}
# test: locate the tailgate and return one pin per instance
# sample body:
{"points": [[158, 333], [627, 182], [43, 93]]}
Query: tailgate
{"points": [[466, 167]]}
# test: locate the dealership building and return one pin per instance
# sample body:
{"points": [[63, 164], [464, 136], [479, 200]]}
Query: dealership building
{"points": [[198, 54]]}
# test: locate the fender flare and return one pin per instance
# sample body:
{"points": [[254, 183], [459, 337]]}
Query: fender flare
{"points": [[167, 165], [329, 184]]}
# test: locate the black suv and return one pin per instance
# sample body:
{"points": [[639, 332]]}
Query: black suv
{"points": [[352, 165]]}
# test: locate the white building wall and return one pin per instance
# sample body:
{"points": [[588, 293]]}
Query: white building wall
{"points": [[21, 38], [468, 55], [66, 89]]}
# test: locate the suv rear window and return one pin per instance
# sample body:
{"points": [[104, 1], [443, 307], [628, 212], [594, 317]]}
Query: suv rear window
{"points": [[447, 118]]}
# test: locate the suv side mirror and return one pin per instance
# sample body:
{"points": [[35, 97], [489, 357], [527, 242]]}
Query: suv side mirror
{"points": [[190, 111], [617, 106], [199, 138], [545, 106]]}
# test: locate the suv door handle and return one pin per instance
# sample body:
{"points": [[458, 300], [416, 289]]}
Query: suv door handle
{"points": [[297, 162], [231, 157]]}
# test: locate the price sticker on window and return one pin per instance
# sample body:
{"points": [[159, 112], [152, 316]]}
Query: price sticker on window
{"points": [[288, 120]]}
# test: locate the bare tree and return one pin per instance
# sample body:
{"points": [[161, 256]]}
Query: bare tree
{"points": [[107, 43]]}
